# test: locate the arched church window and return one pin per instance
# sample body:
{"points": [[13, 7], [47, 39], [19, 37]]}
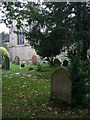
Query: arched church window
{"points": [[20, 37]]}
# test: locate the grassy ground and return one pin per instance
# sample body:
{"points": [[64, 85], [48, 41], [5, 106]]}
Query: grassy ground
{"points": [[27, 94]]}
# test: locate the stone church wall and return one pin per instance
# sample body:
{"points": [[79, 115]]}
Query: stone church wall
{"points": [[24, 53]]}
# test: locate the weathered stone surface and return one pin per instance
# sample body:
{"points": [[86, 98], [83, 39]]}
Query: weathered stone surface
{"points": [[17, 60], [61, 85], [34, 59]]}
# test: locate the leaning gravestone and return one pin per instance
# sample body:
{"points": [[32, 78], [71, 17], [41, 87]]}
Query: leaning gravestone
{"points": [[34, 59], [61, 85]]}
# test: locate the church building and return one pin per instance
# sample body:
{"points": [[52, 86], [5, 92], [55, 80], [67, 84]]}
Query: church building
{"points": [[19, 49]]}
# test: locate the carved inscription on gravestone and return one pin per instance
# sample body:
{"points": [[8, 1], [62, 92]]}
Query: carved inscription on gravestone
{"points": [[61, 85]]}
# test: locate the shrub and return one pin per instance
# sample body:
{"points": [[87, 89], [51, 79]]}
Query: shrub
{"points": [[5, 58], [79, 71]]}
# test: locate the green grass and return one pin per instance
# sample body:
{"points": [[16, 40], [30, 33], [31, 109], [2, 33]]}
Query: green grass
{"points": [[29, 96]]}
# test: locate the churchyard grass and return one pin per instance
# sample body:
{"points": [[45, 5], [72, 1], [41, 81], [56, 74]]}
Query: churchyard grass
{"points": [[26, 93]]}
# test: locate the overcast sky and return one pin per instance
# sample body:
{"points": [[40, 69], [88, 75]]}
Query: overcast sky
{"points": [[3, 28]]}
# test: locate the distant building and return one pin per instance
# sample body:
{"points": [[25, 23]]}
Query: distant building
{"points": [[19, 49]]}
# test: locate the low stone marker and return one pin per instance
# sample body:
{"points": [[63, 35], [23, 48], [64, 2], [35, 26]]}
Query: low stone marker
{"points": [[34, 59], [61, 85]]}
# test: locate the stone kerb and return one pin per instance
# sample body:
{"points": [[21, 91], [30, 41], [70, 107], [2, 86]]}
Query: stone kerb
{"points": [[61, 85]]}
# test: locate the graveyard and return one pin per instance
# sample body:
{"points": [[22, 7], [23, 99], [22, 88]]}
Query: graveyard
{"points": [[45, 61], [26, 94]]}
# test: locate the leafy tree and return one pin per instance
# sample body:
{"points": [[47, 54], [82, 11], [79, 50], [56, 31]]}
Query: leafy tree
{"points": [[47, 25]]}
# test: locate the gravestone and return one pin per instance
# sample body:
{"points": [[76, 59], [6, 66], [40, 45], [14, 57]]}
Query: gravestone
{"points": [[61, 85], [17, 60], [65, 63], [34, 59], [6, 63], [57, 62]]}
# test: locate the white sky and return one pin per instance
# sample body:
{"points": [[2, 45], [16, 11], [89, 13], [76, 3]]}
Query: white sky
{"points": [[3, 28]]}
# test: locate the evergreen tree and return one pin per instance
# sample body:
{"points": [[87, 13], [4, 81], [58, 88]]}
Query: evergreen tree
{"points": [[78, 52]]}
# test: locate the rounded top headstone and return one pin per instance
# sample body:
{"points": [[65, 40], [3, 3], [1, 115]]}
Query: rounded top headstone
{"points": [[34, 59], [61, 70], [61, 85], [17, 60]]}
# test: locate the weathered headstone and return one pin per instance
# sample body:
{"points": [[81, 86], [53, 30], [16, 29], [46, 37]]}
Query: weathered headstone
{"points": [[34, 59], [6, 63], [61, 85], [57, 62], [17, 60], [65, 63]]}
